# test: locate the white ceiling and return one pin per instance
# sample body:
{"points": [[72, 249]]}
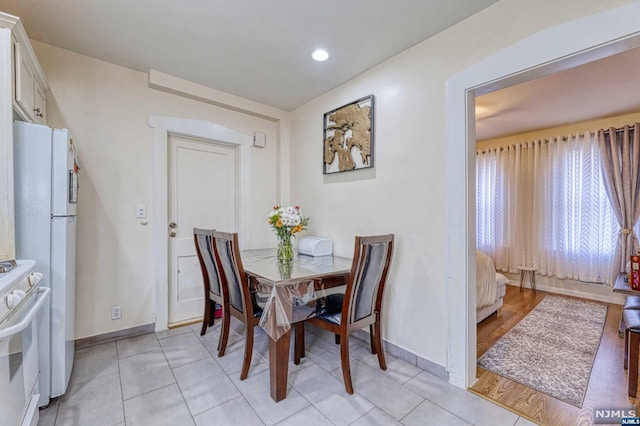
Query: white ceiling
{"points": [[599, 89], [260, 50], [257, 49]]}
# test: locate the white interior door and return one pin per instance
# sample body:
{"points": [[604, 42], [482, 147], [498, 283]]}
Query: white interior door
{"points": [[203, 186]]}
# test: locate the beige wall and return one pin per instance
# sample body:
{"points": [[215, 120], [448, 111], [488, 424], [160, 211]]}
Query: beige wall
{"points": [[106, 107], [406, 193]]}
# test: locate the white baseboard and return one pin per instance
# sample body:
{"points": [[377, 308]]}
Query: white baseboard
{"points": [[458, 381]]}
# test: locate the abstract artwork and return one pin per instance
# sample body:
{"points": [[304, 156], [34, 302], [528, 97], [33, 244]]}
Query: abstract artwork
{"points": [[348, 137]]}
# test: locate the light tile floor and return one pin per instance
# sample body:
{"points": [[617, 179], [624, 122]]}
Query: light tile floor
{"points": [[176, 378]]}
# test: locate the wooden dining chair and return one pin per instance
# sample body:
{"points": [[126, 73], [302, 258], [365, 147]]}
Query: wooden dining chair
{"points": [[361, 305], [239, 302], [213, 291]]}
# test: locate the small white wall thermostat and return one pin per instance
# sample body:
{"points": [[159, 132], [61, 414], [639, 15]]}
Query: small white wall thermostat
{"points": [[141, 211], [259, 139]]}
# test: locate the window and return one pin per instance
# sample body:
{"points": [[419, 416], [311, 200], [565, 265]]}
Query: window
{"points": [[544, 204]]}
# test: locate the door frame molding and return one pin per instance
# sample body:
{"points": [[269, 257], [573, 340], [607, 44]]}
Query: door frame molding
{"points": [[542, 53], [163, 127]]}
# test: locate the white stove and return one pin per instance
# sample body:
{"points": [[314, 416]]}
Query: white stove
{"points": [[20, 300], [16, 287]]}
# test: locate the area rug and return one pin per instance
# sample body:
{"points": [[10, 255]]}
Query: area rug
{"points": [[552, 349]]}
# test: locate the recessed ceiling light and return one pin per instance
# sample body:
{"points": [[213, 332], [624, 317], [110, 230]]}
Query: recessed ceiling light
{"points": [[320, 55]]}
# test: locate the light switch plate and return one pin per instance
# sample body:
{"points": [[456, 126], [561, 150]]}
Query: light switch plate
{"points": [[141, 211]]}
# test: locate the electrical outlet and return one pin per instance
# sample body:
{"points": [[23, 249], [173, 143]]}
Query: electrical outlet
{"points": [[116, 312], [141, 211]]}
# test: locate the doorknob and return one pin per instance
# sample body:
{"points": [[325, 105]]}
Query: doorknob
{"points": [[173, 225], [172, 234]]}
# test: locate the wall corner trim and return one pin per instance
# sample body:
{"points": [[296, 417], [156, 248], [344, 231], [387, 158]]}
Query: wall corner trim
{"points": [[177, 86], [552, 49]]}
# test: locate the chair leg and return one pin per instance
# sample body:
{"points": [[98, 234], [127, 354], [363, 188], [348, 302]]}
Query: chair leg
{"points": [[212, 312], [205, 325], [298, 351], [634, 349], [224, 333], [207, 317], [626, 349], [372, 337], [378, 344], [346, 365], [337, 338], [248, 350], [222, 338]]}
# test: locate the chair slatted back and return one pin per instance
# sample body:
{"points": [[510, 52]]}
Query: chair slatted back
{"points": [[372, 257], [228, 255], [204, 249]]}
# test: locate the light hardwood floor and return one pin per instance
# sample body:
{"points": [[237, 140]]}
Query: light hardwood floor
{"points": [[607, 385]]}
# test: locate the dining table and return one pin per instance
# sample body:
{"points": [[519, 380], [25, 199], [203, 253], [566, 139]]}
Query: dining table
{"points": [[289, 292]]}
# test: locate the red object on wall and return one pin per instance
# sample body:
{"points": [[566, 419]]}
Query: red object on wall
{"points": [[634, 275]]}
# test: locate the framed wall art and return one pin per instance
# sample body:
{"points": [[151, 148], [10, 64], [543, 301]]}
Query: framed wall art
{"points": [[348, 137]]}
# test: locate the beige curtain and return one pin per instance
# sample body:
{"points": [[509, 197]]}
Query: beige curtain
{"points": [[543, 204], [620, 150]]}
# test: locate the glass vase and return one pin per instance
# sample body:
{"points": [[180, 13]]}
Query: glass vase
{"points": [[285, 267], [285, 249]]}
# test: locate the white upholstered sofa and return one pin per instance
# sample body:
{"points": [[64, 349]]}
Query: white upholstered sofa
{"points": [[490, 287]]}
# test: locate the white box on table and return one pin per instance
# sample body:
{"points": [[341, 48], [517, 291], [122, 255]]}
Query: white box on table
{"points": [[315, 246]]}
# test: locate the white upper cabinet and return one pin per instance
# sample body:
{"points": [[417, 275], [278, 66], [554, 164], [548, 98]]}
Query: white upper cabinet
{"points": [[23, 90], [24, 82], [29, 92], [39, 104]]}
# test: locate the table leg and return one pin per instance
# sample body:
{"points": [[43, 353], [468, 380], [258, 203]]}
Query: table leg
{"points": [[634, 342], [521, 279], [298, 342], [533, 280], [279, 365]]}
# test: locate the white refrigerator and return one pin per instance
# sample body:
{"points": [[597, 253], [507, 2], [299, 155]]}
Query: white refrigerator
{"points": [[46, 196]]}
